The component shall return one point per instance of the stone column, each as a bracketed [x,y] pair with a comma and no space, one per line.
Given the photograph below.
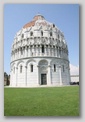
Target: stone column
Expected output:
[22,51]
[36,50]
[28,51]
[38,75]
[40,50]
[45,49]
[19,53]
[16,74]
[52,50]
[55,51]
[26,75]
[60,75]
[49,75]
[65,53]
[16,53]
[25,51]
[58,52]
[49,50]
[33,50]
[61,52]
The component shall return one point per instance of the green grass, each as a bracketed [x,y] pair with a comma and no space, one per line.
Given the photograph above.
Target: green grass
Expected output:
[51,101]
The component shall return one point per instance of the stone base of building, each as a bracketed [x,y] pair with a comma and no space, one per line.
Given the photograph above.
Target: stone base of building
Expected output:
[36,86]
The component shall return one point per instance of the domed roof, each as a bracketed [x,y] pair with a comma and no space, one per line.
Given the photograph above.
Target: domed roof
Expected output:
[32,23]
[40,31]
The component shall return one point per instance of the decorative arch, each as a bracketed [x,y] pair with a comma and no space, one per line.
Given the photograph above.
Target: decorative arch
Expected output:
[43,62]
[31,60]
[13,65]
[19,62]
[54,61]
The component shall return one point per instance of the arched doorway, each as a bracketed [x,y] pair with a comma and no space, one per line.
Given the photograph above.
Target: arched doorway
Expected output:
[43,70]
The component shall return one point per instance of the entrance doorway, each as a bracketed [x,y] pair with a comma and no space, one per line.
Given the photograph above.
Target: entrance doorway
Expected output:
[43,79]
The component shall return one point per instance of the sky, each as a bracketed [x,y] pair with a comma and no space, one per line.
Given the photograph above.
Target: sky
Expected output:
[64,16]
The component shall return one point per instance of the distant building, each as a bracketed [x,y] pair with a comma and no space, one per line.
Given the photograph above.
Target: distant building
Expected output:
[6,79]
[39,55]
[74,78]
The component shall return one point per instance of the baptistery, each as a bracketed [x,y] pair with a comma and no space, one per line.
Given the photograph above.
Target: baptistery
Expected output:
[39,55]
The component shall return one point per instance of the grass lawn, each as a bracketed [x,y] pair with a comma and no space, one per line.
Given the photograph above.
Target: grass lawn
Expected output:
[48,101]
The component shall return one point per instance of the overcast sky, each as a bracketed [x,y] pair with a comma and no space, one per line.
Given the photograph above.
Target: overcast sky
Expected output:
[64,16]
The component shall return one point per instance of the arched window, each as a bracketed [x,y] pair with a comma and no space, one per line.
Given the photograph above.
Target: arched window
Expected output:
[41,33]
[50,33]
[54,68]
[22,35]
[31,67]
[21,69]
[58,36]
[31,33]
[43,50]
[53,25]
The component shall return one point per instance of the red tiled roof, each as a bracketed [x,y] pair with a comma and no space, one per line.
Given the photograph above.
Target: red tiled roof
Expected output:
[32,23]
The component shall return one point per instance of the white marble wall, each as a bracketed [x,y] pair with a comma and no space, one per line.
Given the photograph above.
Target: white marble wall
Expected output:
[27,50]
[28,78]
